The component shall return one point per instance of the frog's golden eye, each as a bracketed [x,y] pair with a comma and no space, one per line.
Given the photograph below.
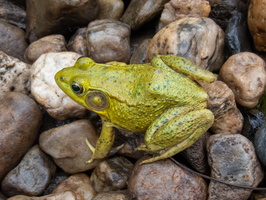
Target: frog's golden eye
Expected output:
[76,87]
[97,100]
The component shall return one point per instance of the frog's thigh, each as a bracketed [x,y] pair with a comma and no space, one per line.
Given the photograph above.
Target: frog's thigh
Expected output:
[178,132]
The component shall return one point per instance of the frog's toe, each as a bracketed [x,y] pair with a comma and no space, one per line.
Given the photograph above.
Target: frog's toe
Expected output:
[89,145]
[142,147]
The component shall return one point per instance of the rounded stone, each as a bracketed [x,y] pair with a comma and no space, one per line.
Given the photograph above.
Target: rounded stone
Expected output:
[110,9]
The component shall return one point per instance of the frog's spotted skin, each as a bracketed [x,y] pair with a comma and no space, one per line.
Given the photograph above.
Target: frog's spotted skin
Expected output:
[160,98]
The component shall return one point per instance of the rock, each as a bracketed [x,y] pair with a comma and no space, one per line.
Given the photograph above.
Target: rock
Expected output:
[256,25]
[31,176]
[78,42]
[51,43]
[12,14]
[139,13]
[20,119]
[232,159]
[237,37]
[56,179]
[259,143]
[177,9]
[139,55]
[15,75]
[245,74]
[189,37]
[62,196]
[45,90]
[57,16]
[111,174]
[165,180]
[66,145]
[112,195]
[12,40]
[79,184]
[110,9]
[114,46]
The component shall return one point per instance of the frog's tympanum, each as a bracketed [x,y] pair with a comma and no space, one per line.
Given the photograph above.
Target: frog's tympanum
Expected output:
[160,98]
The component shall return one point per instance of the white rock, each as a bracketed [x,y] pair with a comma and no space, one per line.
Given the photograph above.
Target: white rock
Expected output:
[45,89]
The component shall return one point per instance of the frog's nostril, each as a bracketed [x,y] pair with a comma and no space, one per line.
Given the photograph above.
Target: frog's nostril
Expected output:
[62,78]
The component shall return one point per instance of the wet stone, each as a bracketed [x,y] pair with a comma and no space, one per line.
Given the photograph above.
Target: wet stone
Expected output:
[31,176]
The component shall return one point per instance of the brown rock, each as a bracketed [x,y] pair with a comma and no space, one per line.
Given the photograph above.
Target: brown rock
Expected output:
[51,43]
[12,40]
[177,9]
[165,180]
[78,42]
[112,195]
[256,23]
[57,16]
[189,37]
[79,184]
[66,144]
[245,74]
[62,196]
[114,46]
[110,9]
[19,121]
[15,75]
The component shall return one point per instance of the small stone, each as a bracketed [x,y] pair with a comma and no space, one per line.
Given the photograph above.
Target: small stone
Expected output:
[111,174]
[56,179]
[165,180]
[260,143]
[51,43]
[12,40]
[14,76]
[139,13]
[112,195]
[189,37]
[31,176]
[78,42]
[66,145]
[20,119]
[245,74]
[114,46]
[110,9]
[62,196]
[232,159]
[46,91]
[79,184]
[139,55]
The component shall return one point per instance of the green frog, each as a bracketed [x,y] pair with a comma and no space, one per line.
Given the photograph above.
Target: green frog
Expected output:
[162,98]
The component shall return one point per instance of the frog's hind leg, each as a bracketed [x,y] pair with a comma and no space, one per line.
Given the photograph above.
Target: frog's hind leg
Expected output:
[176,130]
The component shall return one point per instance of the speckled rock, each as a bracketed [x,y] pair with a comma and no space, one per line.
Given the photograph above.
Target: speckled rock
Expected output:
[12,40]
[114,46]
[78,42]
[79,184]
[12,14]
[51,43]
[45,89]
[177,9]
[256,23]
[111,174]
[31,176]
[245,74]
[112,195]
[20,119]
[57,16]
[15,75]
[140,12]
[66,145]
[62,196]
[232,159]
[189,37]
[165,180]
[260,143]
[110,9]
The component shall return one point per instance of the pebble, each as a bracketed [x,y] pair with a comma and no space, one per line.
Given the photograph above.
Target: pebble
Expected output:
[260,143]
[112,195]
[66,145]
[232,159]
[111,174]
[110,9]
[31,176]
[188,37]
[113,46]
[20,119]
[78,42]
[62,196]
[139,54]
[245,74]
[165,180]
[45,90]
[14,76]
[50,43]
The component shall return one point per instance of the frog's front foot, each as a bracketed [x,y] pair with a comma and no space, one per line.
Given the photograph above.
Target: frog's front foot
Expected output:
[92,150]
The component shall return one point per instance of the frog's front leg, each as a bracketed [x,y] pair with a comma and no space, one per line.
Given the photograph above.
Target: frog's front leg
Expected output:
[104,143]
[175,130]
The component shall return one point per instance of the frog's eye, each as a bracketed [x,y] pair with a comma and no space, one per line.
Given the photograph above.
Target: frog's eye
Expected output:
[97,100]
[76,87]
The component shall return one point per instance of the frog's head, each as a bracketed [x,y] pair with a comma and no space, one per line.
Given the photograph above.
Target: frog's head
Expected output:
[76,84]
